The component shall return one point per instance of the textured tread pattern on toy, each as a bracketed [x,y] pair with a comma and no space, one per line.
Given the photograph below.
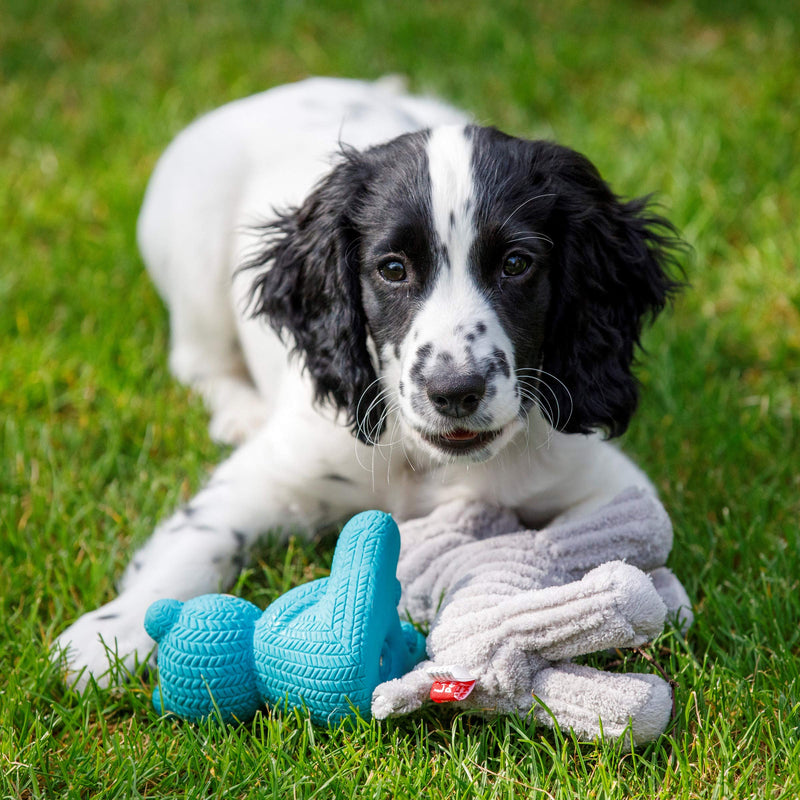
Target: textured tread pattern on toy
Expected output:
[323,645]
[208,668]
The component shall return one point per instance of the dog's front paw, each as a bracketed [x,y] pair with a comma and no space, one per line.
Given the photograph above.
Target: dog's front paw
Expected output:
[105,645]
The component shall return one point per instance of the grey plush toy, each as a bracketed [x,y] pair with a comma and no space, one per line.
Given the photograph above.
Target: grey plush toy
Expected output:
[509,609]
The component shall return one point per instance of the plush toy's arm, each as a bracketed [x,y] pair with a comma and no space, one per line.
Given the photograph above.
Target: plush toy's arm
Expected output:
[403,695]
[633,527]
[615,605]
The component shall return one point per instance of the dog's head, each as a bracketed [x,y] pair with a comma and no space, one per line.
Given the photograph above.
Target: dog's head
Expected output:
[461,277]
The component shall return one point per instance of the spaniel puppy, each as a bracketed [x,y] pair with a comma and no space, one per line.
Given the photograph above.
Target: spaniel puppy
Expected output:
[383,306]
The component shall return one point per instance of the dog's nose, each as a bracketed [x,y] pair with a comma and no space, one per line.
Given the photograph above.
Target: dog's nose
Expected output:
[456,394]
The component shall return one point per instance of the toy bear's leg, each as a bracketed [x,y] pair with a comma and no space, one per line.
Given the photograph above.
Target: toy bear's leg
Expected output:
[594,703]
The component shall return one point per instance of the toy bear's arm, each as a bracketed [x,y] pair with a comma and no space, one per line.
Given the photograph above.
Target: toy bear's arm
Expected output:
[615,605]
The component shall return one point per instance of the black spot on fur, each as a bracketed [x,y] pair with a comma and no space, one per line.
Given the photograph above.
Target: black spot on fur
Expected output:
[416,373]
[499,363]
[336,478]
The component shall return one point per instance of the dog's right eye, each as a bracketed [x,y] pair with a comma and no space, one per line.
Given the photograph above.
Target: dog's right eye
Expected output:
[393,271]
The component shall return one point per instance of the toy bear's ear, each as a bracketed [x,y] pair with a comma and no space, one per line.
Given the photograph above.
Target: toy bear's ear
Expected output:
[160,617]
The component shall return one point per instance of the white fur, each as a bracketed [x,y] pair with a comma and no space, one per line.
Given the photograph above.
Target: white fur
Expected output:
[226,171]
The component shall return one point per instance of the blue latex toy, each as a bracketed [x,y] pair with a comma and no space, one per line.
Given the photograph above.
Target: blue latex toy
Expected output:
[323,646]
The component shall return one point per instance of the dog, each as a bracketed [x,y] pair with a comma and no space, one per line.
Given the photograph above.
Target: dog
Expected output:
[386,306]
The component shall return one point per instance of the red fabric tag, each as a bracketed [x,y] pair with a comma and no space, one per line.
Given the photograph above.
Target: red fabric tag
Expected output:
[448,691]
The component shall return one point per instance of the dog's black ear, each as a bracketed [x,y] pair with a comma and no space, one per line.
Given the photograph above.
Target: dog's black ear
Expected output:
[308,287]
[613,270]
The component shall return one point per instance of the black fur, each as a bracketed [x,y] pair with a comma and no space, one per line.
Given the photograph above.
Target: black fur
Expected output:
[613,268]
[312,292]
[314,289]
[609,266]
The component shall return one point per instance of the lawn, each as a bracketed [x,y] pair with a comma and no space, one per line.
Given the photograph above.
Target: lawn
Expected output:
[697,102]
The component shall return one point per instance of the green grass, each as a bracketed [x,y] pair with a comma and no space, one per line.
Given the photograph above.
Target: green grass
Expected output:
[698,102]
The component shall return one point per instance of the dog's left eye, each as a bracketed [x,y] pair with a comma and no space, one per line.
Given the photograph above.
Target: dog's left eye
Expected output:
[516,264]
[393,271]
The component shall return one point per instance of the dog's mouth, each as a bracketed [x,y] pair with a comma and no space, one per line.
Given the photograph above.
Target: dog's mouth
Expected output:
[460,440]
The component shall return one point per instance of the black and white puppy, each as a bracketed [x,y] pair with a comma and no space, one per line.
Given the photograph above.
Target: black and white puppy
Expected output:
[445,312]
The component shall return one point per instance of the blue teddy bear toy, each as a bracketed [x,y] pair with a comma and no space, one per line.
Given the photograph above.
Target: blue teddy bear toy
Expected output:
[323,646]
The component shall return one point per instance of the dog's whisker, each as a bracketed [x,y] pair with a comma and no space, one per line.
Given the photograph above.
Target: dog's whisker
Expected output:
[387,456]
[542,403]
[544,408]
[363,418]
[537,237]
[523,204]
[370,435]
[389,441]
[534,373]
[534,393]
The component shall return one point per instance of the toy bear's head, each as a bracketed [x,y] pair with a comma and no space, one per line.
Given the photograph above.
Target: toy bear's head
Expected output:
[205,657]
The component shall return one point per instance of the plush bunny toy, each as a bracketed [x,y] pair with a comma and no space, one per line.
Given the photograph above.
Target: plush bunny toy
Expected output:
[508,609]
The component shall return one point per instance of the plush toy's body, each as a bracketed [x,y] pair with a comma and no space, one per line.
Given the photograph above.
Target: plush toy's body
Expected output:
[507,609]
[323,646]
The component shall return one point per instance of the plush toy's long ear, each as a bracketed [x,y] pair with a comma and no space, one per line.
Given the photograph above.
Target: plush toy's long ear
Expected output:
[308,287]
[612,271]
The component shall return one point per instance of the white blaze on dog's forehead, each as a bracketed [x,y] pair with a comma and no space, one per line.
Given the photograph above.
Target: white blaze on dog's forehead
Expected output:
[455,301]
[450,169]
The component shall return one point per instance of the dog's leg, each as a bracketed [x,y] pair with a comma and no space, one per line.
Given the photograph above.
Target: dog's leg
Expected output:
[184,244]
[205,355]
[274,482]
